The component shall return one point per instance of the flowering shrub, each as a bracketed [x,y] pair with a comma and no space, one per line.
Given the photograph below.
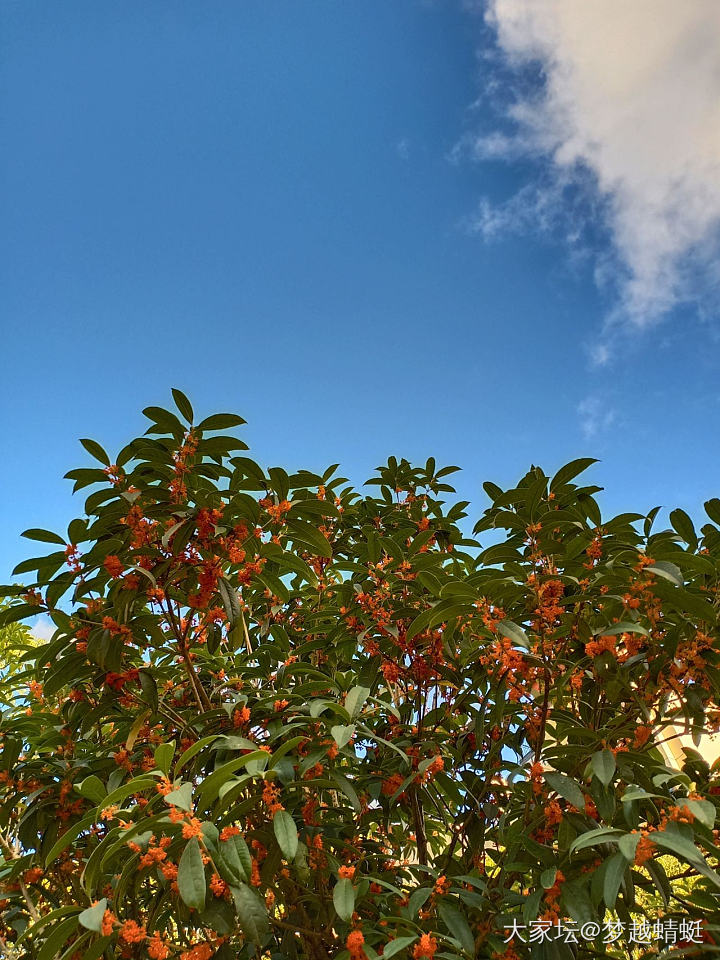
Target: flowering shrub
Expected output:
[282,718]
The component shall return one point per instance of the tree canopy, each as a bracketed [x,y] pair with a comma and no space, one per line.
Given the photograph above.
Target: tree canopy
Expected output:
[283,718]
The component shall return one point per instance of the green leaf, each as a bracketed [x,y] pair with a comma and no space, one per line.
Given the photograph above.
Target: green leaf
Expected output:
[183,404]
[355,699]
[234,860]
[193,751]
[149,689]
[703,810]
[163,758]
[230,600]
[593,837]
[251,913]
[92,918]
[306,533]
[532,905]
[95,450]
[45,536]
[514,632]
[678,844]
[67,838]
[577,902]
[221,421]
[285,833]
[668,571]
[93,788]
[191,875]
[210,787]
[684,526]
[570,470]
[712,509]
[547,877]
[286,747]
[43,921]
[182,797]
[344,898]
[458,927]
[417,900]
[603,766]
[57,939]
[627,846]
[626,627]
[348,789]
[396,945]
[567,788]
[135,729]
[342,734]
[660,879]
[20,611]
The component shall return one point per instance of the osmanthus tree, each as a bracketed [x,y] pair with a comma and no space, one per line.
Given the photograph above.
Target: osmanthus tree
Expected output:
[281,718]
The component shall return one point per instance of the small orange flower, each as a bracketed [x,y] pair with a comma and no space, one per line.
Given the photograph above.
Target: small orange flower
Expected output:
[114,566]
[426,947]
[442,886]
[228,832]
[132,932]
[354,944]
[193,828]
[157,950]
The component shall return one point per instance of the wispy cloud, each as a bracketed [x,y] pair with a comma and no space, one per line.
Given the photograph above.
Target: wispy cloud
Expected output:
[402,148]
[624,115]
[596,416]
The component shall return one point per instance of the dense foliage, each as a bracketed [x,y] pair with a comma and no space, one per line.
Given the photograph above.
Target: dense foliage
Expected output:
[283,718]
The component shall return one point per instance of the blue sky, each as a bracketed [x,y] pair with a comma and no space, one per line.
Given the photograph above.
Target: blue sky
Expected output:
[335,219]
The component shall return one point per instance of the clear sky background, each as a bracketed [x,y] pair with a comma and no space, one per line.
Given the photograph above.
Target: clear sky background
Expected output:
[484,232]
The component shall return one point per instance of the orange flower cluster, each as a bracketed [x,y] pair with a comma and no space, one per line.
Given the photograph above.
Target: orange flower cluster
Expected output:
[425,947]
[178,488]
[114,566]
[155,854]
[201,951]
[157,949]
[116,681]
[355,945]
[144,531]
[602,645]
[270,797]
[132,932]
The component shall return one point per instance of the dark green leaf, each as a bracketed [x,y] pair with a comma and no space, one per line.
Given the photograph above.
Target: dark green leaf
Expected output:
[567,788]
[285,833]
[603,766]
[458,927]
[684,526]
[614,873]
[191,875]
[183,404]
[221,421]
[570,470]
[95,450]
[45,536]
[251,913]
[344,898]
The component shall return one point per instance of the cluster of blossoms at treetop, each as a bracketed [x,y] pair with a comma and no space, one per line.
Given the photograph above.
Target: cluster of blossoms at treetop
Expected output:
[284,719]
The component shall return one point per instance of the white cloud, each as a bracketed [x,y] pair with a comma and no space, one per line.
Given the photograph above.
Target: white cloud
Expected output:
[43,628]
[630,110]
[595,416]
